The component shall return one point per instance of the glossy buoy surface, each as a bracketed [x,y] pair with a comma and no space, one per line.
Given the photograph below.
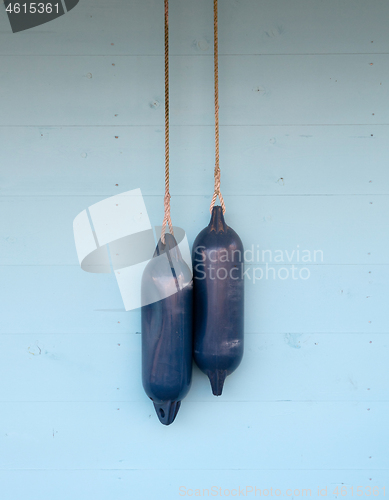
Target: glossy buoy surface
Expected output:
[167,329]
[218,300]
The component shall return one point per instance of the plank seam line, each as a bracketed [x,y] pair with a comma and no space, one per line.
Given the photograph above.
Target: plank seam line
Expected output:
[299,54]
[189,470]
[138,333]
[231,401]
[248,264]
[156,125]
[176,195]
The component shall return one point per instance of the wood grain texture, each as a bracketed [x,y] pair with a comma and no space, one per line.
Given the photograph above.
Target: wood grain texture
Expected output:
[38,230]
[64,299]
[246,27]
[299,90]
[116,484]
[285,367]
[110,435]
[268,160]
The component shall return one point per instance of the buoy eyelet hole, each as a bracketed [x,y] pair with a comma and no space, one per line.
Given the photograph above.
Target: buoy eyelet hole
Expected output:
[162,413]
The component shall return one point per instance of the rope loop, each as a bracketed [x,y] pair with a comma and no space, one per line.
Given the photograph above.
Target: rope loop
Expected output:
[166,202]
[217,192]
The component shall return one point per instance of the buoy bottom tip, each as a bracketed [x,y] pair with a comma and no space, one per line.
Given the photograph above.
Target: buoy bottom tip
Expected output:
[217,379]
[167,411]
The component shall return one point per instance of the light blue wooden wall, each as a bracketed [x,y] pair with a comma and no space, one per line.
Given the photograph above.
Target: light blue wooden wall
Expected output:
[304,155]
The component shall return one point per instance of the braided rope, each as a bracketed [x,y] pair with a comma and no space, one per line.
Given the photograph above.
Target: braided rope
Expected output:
[217,191]
[166,219]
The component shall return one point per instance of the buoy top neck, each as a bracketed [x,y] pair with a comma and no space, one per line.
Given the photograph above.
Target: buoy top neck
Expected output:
[217,222]
[169,247]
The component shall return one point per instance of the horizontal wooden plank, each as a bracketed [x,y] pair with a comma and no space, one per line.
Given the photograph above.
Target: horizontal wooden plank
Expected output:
[65,299]
[38,248]
[254,160]
[165,484]
[129,436]
[136,27]
[38,230]
[254,90]
[97,367]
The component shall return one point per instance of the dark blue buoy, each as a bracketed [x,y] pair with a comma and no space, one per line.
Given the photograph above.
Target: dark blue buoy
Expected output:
[167,292]
[218,300]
